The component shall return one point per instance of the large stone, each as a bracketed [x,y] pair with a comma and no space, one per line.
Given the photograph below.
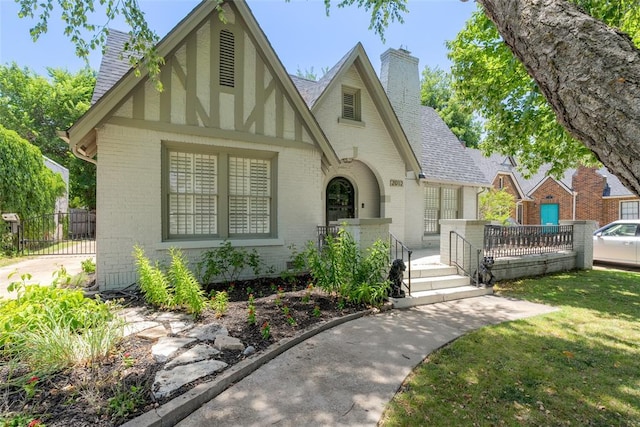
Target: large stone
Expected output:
[136,327]
[195,354]
[166,347]
[224,342]
[168,381]
[208,332]
[153,334]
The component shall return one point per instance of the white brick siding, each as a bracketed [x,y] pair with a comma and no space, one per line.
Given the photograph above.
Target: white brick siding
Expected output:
[129,201]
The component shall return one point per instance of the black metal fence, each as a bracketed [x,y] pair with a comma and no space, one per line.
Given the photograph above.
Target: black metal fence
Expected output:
[324,231]
[71,233]
[509,241]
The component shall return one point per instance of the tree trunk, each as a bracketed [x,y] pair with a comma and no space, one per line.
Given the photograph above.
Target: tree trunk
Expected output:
[589,72]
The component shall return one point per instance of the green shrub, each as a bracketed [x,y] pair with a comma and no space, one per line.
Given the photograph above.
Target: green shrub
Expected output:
[340,268]
[152,281]
[88,266]
[188,292]
[220,303]
[226,263]
[49,328]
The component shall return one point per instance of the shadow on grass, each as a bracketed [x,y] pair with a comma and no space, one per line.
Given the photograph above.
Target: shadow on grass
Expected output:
[539,371]
[610,292]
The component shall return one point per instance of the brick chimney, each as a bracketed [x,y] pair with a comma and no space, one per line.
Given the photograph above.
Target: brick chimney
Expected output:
[401,80]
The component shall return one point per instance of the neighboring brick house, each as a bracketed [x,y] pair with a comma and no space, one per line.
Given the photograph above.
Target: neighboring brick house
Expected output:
[582,194]
[236,149]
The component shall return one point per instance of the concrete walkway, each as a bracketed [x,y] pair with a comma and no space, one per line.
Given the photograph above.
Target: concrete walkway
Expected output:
[346,375]
[41,269]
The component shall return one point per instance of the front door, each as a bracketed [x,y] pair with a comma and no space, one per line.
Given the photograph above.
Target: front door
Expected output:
[340,199]
[549,214]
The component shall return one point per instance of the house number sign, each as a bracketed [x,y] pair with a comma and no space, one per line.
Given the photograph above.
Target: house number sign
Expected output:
[396,183]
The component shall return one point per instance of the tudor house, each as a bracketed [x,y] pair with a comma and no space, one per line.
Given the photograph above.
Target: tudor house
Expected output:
[235,149]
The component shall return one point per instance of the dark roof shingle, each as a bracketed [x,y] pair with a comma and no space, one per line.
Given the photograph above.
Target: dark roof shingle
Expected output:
[444,158]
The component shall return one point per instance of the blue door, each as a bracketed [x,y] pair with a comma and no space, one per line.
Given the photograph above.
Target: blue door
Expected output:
[549,214]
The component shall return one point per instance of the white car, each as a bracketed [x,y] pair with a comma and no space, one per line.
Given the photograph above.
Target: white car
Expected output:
[618,242]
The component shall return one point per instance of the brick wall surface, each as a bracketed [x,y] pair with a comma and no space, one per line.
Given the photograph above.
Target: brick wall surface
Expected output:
[589,185]
[550,192]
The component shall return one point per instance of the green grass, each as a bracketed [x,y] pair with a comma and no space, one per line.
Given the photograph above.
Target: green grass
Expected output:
[579,366]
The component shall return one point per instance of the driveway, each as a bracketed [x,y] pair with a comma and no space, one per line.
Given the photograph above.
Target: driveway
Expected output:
[41,269]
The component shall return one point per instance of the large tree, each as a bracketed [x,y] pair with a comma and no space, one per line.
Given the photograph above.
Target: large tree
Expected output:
[437,92]
[36,107]
[27,187]
[518,118]
[589,72]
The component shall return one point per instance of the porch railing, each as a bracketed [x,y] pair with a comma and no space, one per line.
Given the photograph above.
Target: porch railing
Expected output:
[461,253]
[501,241]
[324,231]
[397,249]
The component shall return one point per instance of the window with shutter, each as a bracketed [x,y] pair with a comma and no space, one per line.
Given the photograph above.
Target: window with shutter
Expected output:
[350,104]
[227,58]
[249,196]
[217,195]
[440,203]
[192,194]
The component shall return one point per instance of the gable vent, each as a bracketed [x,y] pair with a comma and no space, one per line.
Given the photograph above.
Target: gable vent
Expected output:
[227,58]
[349,106]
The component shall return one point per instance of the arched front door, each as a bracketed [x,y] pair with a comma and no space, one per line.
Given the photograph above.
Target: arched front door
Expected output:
[340,199]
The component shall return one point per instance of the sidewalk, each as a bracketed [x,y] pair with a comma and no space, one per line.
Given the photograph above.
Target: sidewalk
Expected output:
[346,375]
[41,269]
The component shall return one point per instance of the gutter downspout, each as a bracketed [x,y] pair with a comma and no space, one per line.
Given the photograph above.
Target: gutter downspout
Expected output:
[64,135]
[575,195]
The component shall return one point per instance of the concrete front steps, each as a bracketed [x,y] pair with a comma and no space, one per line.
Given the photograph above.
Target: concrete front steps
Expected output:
[433,283]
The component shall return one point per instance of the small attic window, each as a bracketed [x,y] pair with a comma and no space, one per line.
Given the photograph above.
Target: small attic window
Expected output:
[227,58]
[351,104]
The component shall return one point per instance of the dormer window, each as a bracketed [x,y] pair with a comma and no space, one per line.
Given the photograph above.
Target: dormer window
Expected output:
[351,104]
[227,58]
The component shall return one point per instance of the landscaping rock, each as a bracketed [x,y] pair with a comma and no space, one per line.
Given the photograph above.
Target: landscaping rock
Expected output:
[207,332]
[167,381]
[166,347]
[195,354]
[153,334]
[249,351]
[224,342]
[136,327]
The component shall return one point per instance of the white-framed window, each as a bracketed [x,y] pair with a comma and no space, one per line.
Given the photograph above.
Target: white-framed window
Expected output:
[192,194]
[630,209]
[351,104]
[440,203]
[249,196]
[210,193]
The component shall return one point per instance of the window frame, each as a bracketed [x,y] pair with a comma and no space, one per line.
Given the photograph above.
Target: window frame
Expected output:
[439,210]
[357,104]
[637,209]
[223,190]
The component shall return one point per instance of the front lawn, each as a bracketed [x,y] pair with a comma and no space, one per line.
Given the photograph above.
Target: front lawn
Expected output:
[579,366]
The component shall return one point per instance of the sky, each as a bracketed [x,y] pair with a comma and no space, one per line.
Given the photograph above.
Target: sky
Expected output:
[301,34]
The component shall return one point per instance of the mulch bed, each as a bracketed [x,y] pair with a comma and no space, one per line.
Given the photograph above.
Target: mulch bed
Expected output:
[119,389]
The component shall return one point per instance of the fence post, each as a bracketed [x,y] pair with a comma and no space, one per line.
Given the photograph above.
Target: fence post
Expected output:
[582,242]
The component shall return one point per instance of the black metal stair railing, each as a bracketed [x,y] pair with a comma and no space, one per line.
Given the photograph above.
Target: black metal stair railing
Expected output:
[397,250]
[461,252]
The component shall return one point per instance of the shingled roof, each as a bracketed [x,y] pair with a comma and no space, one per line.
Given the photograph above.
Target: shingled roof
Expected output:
[496,163]
[114,64]
[311,90]
[444,159]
